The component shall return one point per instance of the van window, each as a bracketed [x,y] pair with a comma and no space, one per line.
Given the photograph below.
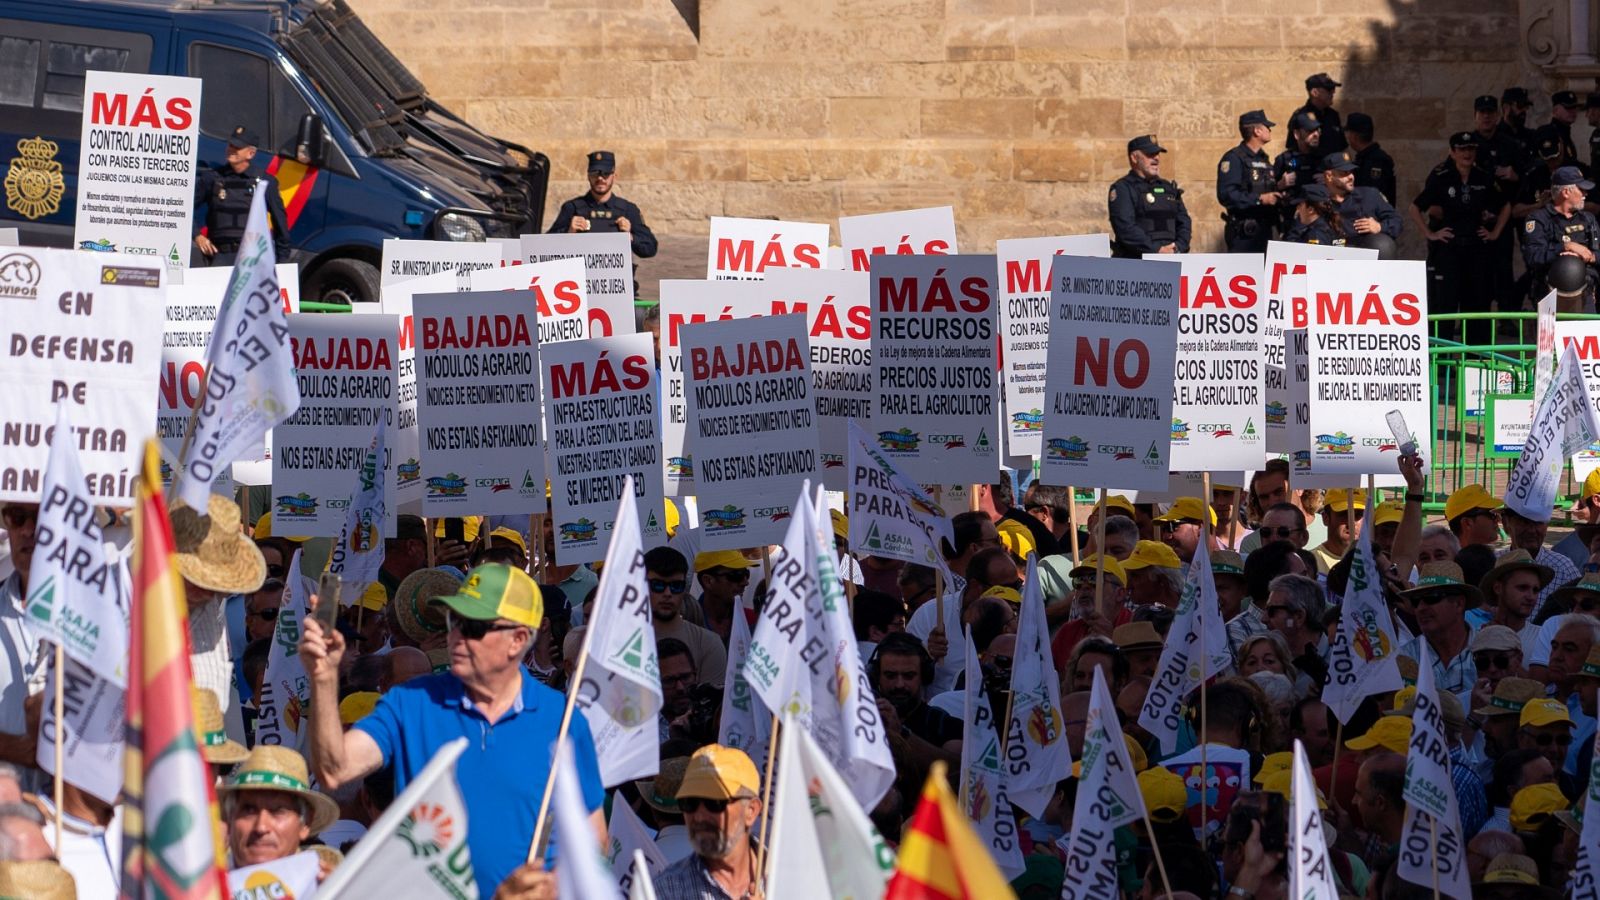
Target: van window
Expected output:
[65,65]
[241,88]
[42,67]
[19,70]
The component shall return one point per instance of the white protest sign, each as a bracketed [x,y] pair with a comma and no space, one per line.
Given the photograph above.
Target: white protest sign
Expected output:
[346,369]
[1108,797]
[555,289]
[607,270]
[625,836]
[839,318]
[1108,409]
[1432,849]
[1586,871]
[1544,360]
[216,278]
[1367,324]
[1217,405]
[929,232]
[743,249]
[1310,868]
[85,328]
[1585,337]
[891,515]
[292,877]
[1564,422]
[934,366]
[478,403]
[752,426]
[603,427]
[404,260]
[510,249]
[682,303]
[1025,327]
[1362,659]
[1195,652]
[285,689]
[1036,751]
[357,556]
[96,717]
[136,165]
[398,300]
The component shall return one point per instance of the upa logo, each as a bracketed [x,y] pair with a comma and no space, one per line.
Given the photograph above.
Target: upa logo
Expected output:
[408,472]
[448,485]
[680,467]
[727,518]
[298,506]
[1338,442]
[950,441]
[1074,449]
[903,441]
[1277,413]
[773,513]
[1180,429]
[582,531]
[1032,420]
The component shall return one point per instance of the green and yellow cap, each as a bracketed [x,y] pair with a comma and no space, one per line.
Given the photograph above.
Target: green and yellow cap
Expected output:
[497,591]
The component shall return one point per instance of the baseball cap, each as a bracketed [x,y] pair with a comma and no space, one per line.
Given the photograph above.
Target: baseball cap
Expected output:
[1151,553]
[1405,705]
[511,535]
[1495,637]
[1360,123]
[1002,592]
[1462,139]
[1532,804]
[356,706]
[716,772]
[1389,512]
[1515,95]
[263,529]
[497,591]
[1189,508]
[242,137]
[1146,144]
[1485,103]
[1591,485]
[841,524]
[1510,695]
[1281,783]
[602,161]
[1124,506]
[1165,796]
[1305,121]
[470,526]
[1564,98]
[1511,868]
[1567,176]
[1543,711]
[1016,538]
[1466,499]
[1339,499]
[1321,80]
[726,559]
[1389,732]
[374,598]
[1256,117]
[1136,636]
[1342,161]
[1281,761]
[1094,562]
[1313,193]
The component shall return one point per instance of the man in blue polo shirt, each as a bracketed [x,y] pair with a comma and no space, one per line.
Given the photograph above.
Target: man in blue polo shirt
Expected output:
[509,719]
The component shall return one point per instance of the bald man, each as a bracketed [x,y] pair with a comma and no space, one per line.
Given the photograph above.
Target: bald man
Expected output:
[1378,797]
[405,663]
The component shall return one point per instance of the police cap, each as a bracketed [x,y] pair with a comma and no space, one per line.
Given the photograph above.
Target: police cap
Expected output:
[1339,162]
[242,137]
[1485,103]
[1564,98]
[1515,95]
[1305,121]
[603,161]
[1146,144]
[1360,123]
[1256,117]
[1462,139]
[1321,80]
[1313,193]
[1568,176]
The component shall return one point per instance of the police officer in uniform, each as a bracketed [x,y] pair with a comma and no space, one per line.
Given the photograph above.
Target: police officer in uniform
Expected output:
[1246,187]
[1559,229]
[226,193]
[1514,105]
[1147,212]
[1462,213]
[600,210]
[1591,112]
[1374,165]
[1563,112]
[1505,157]
[1316,218]
[1319,102]
[1299,167]
[1362,210]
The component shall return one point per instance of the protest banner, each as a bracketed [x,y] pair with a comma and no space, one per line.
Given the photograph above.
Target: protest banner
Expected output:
[601,404]
[744,249]
[983,772]
[95,712]
[607,274]
[891,515]
[478,403]
[217,278]
[1585,337]
[345,366]
[1196,650]
[1544,360]
[510,249]
[405,440]
[1310,867]
[1217,405]
[404,260]
[282,708]
[1025,328]
[752,426]
[1108,798]
[581,873]
[1564,423]
[934,366]
[136,166]
[684,302]
[1367,324]
[929,232]
[554,288]
[1036,752]
[290,878]
[85,330]
[357,556]
[1108,391]
[839,319]
[1433,849]
[626,835]
[1363,657]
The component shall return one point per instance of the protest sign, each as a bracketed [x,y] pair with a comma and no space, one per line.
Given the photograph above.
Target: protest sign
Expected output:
[1585,337]
[554,288]
[1310,867]
[607,274]
[1196,651]
[345,366]
[625,836]
[1586,871]
[752,426]
[1363,658]
[891,515]
[1563,424]
[1544,360]
[217,277]
[930,232]
[85,330]
[1108,798]
[510,249]
[1433,850]
[684,302]
[839,320]
[934,366]
[1367,324]
[743,249]
[983,772]
[136,166]
[290,878]
[746,723]
[478,403]
[1108,393]
[601,403]
[404,260]
[95,732]
[1025,327]
[405,441]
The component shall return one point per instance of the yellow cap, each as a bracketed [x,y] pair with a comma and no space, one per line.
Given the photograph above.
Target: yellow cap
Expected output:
[1001,592]
[263,529]
[1404,696]
[1533,803]
[726,559]
[1094,562]
[357,706]
[1122,506]
[1339,499]
[1591,485]
[841,524]
[671,512]
[1136,754]
[1274,762]
[1191,508]
[716,772]
[1016,537]
[1152,553]
[374,598]
[1165,796]
[1389,512]
[1469,498]
[1281,783]
[1543,711]
[510,534]
[1389,732]
[469,528]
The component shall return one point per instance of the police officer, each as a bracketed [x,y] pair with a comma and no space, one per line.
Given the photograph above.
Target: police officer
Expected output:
[1562,228]
[1374,165]
[1563,112]
[1147,212]
[1316,218]
[1362,210]
[1462,212]
[601,210]
[1591,113]
[1514,104]
[1246,187]
[1319,102]
[226,192]
[1298,167]
[1549,156]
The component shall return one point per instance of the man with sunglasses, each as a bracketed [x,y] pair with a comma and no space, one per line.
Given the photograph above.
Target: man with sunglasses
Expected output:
[720,801]
[1474,515]
[261,611]
[723,576]
[1546,728]
[667,575]
[1181,527]
[1441,600]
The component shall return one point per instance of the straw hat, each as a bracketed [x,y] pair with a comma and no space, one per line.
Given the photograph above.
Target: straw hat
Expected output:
[40,879]
[273,768]
[413,602]
[216,746]
[1514,561]
[661,792]
[329,855]
[1443,578]
[213,551]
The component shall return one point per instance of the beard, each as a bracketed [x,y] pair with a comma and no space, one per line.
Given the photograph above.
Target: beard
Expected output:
[902,701]
[712,842]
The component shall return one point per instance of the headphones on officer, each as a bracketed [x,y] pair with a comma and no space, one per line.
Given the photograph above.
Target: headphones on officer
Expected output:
[905,645]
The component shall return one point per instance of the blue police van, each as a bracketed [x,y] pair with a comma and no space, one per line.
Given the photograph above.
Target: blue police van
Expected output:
[361,152]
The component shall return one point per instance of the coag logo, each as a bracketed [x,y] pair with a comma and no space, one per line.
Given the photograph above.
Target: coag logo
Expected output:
[1180,429]
[1277,413]
[724,519]
[903,441]
[773,513]
[1044,725]
[19,276]
[339,503]
[1370,644]
[1032,420]
[833,460]
[299,506]
[1215,429]
[1115,451]
[950,441]
[495,485]
[1073,448]
[449,485]
[1383,444]
[582,531]
[1338,442]
[408,472]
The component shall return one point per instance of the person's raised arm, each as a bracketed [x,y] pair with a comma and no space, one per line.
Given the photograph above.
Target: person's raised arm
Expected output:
[337,756]
[1408,537]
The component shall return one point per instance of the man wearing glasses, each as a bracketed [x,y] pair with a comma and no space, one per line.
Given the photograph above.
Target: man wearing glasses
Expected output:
[667,574]
[1474,515]
[1545,727]
[723,575]
[1441,601]
[509,718]
[720,801]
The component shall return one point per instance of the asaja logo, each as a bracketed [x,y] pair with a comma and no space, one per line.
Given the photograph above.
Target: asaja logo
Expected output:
[634,656]
[408,472]
[680,467]
[1277,413]
[1072,448]
[1249,428]
[903,441]
[1338,442]
[529,486]
[723,519]
[448,485]
[983,440]
[579,532]
[950,441]
[1180,429]
[1032,420]
[100,246]
[299,506]
[874,540]
[428,830]
[33,182]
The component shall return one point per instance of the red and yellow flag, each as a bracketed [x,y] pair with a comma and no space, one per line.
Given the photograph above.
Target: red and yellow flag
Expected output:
[169,850]
[941,857]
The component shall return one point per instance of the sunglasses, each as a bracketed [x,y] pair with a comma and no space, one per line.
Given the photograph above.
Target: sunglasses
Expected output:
[1279,532]
[690,805]
[1431,599]
[267,615]
[475,629]
[18,516]
[1545,740]
[1493,514]
[1487,661]
[275,571]
[663,587]
[740,575]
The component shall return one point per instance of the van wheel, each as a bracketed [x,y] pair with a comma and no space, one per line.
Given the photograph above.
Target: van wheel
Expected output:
[345,280]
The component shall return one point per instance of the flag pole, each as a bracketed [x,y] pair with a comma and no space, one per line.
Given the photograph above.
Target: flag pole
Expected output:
[1205,542]
[1072,524]
[1433,828]
[1333,774]
[60,709]
[766,800]
[1099,549]
[1155,845]
[534,846]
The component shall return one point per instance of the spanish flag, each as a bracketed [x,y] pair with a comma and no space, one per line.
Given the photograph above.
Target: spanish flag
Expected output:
[941,857]
[169,845]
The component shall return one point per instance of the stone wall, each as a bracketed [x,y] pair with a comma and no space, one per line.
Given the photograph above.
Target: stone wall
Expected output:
[1015,111]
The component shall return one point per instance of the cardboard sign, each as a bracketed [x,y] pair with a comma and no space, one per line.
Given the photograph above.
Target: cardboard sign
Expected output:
[136,166]
[347,368]
[683,303]
[291,878]
[1113,334]
[478,403]
[934,366]
[1367,324]
[752,426]
[404,260]
[1025,327]
[602,407]
[744,249]
[839,319]
[556,289]
[929,232]
[85,328]
[608,274]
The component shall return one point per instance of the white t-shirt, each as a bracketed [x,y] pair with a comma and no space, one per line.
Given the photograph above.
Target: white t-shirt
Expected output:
[921,624]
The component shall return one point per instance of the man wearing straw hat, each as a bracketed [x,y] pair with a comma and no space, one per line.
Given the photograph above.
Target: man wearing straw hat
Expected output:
[269,808]
[216,561]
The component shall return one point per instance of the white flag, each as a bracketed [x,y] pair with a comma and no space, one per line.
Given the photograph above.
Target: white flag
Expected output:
[641,888]
[803,657]
[746,722]
[581,870]
[250,379]
[627,838]
[1196,650]
[983,789]
[621,690]
[1544,356]
[1108,797]
[1361,659]
[1586,872]
[1310,869]
[418,847]
[823,844]
[1037,755]
[891,515]
[285,691]
[94,735]
[358,554]
[1564,422]
[1431,843]
[75,587]
[292,876]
